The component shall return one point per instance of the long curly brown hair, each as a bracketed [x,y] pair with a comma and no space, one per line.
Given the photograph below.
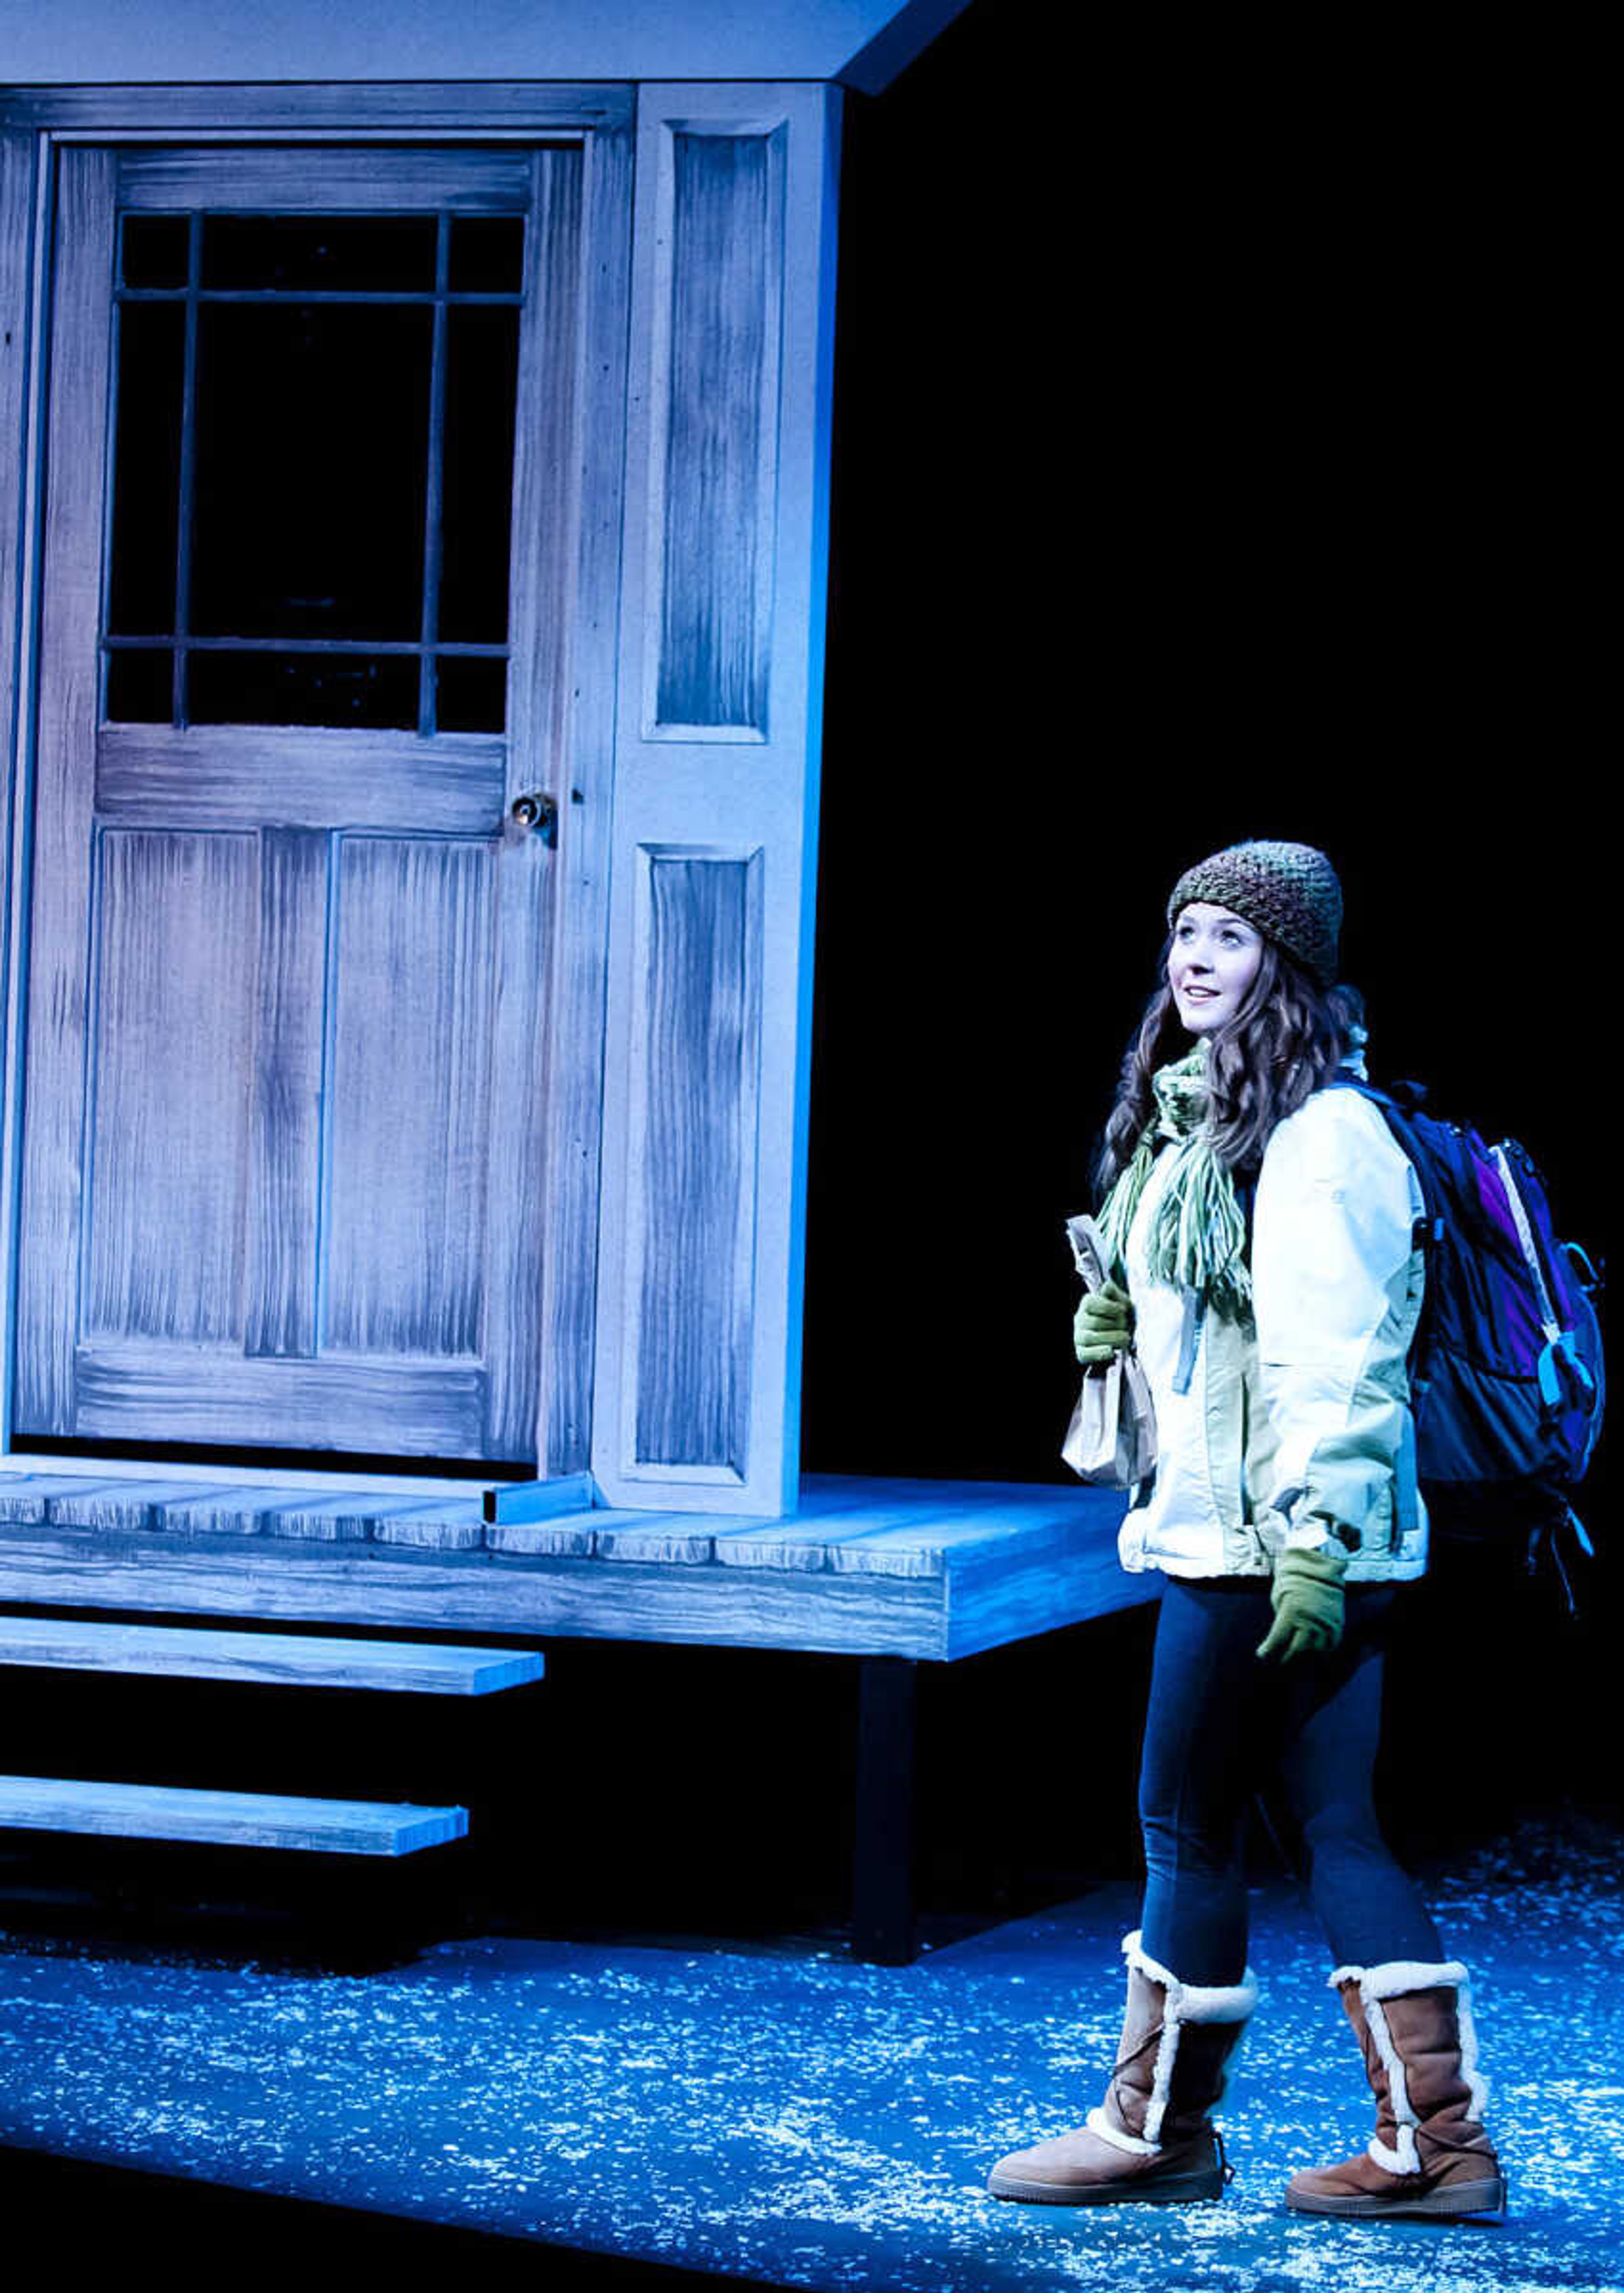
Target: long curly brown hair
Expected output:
[1287,1036]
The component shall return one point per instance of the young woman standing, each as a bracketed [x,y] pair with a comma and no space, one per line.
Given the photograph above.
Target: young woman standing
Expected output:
[1264,1226]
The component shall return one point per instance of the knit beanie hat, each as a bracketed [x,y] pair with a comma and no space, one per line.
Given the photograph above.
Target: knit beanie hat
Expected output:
[1289,891]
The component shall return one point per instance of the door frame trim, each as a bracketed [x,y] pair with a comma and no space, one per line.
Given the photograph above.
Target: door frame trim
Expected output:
[33,124]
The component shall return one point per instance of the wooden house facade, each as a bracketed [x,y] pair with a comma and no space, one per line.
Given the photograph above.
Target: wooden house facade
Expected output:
[414,471]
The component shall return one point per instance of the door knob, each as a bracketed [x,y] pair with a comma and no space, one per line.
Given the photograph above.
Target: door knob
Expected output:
[536,810]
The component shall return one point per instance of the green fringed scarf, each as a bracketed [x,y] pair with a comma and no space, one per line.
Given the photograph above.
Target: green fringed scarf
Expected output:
[1199,1240]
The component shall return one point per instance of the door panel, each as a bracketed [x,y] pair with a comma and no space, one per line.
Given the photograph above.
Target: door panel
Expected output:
[289,960]
[404,1195]
[172,992]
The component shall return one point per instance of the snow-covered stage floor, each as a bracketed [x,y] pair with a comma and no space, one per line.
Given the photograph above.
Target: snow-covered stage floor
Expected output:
[790,2117]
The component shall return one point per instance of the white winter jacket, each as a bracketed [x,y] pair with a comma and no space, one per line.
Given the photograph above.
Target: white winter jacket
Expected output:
[1300,1434]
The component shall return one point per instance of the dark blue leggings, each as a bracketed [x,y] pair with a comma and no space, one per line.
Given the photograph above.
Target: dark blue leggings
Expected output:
[1220,1723]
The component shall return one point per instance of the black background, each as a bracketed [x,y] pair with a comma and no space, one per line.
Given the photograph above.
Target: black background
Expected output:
[1214,459]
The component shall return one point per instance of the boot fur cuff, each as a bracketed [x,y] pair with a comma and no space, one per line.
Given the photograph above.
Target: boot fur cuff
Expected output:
[1397,1976]
[1190,2002]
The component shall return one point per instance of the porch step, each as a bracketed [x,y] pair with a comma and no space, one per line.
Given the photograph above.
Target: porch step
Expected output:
[287,1660]
[332,1826]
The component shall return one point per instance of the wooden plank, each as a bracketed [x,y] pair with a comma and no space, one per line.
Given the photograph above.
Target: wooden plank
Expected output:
[285,1168]
[536,1598]
[53,1171]
[992,1601]
[313,776]
[239,1511]
[124,1505]
[21,1463]
[410,1092]
[333,1827]
[335,1403]
[669,1539]
[329,1520]
[301,109]
[573,1534]
[287,1660]
[17,203]
[435,1528]
[23,226]
[176,932]
[541,569]
[717,343]
[807,1537]
[696,1088]
[514,1501]
[27,1496]
[482,182]
[575,1113]
[930,1547]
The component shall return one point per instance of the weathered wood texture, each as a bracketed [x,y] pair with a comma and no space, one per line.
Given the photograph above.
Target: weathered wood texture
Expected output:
[410,1080]
[48,1222]
[716,402]
[533,1500]
[123,1393]
[285,1102]
[249,775]
[295,181]
[289,1659]
[526,988]
[334,1827]
[17,197]
[585,791]
[317,107]
[697,1061]
[172,988]
[19,366]
[923,1569]
[288,1130]
[714,799]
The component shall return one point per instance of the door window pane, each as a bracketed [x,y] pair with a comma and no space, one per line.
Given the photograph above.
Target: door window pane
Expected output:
[487,255]
[141,687]
[312,472]
[147,469]
[481,373]
[153,250]
[471,695]
[333,254]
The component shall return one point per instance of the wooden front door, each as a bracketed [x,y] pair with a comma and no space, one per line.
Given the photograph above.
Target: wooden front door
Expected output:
[302,654]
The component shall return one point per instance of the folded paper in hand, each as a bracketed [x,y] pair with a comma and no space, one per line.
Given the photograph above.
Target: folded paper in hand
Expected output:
[1112,1437]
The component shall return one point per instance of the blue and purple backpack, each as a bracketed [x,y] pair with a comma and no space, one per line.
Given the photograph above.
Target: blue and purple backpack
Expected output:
[1506,1377]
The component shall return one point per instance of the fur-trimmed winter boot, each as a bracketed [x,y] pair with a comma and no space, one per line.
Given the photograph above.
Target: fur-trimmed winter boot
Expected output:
[1429,2154]
[1151,2138]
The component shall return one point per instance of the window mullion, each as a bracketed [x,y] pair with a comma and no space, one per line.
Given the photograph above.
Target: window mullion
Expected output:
[188,463]
[426,714]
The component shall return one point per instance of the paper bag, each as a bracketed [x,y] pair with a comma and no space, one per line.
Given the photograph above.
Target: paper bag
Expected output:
[1112,1437]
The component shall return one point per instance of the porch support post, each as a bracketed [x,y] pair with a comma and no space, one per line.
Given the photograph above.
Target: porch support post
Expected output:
[882,1848]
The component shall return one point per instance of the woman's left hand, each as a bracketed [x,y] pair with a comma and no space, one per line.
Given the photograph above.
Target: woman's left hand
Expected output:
[1308,1603]
[1103,1327]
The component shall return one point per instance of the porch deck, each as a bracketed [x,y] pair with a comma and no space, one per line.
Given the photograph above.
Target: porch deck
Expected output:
[918,1569]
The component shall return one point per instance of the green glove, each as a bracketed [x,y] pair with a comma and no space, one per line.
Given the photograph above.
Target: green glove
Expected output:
[1104,1325]
[1307,1597]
